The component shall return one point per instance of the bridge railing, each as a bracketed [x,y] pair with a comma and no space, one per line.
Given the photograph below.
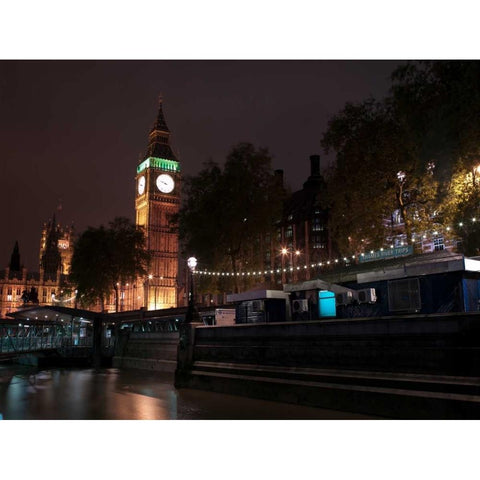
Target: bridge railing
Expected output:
[12,344]
[153,325]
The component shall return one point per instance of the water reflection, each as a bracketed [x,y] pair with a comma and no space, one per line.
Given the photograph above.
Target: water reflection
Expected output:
[71,394]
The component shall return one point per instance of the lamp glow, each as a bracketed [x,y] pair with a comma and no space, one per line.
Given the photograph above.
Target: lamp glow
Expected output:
[192,263]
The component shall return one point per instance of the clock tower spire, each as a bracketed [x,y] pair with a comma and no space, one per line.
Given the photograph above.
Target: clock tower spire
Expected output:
[159,137]
[157,202]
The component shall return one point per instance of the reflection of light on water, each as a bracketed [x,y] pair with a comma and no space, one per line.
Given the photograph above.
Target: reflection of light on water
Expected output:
[172,404]
[89,394]
[16,389]
[141,407]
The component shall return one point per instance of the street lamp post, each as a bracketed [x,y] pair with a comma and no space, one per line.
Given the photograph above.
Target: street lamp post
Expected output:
[187,334]
[291,252]
[192,314]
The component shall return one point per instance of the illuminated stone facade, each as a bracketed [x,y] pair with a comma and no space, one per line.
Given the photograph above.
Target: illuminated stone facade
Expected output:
[157,202]
[64,239]
[18,286]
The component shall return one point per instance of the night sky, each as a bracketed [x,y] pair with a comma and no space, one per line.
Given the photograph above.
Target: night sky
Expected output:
[72,131]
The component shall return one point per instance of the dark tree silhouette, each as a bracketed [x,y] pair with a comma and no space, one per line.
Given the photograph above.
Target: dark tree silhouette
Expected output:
[226,213]
[104,257]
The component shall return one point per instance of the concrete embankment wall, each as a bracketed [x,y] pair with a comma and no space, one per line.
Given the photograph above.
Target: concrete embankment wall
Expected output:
[446,344]
[402,367]
[147,351]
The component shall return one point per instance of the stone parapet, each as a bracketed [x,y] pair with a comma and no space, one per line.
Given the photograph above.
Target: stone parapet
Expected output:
[398,367]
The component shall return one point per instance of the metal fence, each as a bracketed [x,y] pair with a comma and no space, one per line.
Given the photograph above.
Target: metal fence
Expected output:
[12,344]
[153,325]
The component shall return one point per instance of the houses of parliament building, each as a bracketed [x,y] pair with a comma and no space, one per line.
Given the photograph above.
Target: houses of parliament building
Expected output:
[49,285]
[157,201]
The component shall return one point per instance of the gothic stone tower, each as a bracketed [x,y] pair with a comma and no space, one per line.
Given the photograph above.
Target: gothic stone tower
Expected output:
[51,260]
[64,237]
[157,201]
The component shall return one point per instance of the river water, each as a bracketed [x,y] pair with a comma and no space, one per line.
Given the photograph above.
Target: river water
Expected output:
[27,393]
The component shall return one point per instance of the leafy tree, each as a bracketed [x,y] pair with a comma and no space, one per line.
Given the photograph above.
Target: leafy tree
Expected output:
[440,103]
[377,172]
[411,147]
[90,265]
[461,206]
[227,212]
[105,257]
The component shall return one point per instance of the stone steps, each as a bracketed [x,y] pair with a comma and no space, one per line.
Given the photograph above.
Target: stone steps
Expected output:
[392,395]
[158,365]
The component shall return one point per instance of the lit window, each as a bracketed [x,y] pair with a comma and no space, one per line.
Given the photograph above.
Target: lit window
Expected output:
[397,217]
[438,243]
[317,242]
[317,225]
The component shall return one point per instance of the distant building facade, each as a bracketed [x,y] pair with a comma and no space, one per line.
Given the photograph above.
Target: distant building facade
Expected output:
[63,238]
[423,242]
[302,235]
[19,287]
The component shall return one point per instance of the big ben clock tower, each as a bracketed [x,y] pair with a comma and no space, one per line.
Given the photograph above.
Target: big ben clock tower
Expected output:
[157,201]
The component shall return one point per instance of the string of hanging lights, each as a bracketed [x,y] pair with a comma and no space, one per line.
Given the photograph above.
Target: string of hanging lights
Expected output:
[205,272]
[344,261]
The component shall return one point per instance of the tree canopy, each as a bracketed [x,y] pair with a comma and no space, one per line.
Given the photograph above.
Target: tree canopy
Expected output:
[228,212]
[105,257]
[440,101]
[377,172]
[402,154]
[460,208]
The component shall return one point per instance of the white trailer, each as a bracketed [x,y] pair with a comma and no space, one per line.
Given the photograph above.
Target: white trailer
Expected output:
[224,316]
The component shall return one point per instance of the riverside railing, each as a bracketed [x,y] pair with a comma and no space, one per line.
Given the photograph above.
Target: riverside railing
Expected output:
[13,344]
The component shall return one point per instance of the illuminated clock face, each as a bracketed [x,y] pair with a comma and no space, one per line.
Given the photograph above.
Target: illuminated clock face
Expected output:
[63,244]
[141,185]
[165,183]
